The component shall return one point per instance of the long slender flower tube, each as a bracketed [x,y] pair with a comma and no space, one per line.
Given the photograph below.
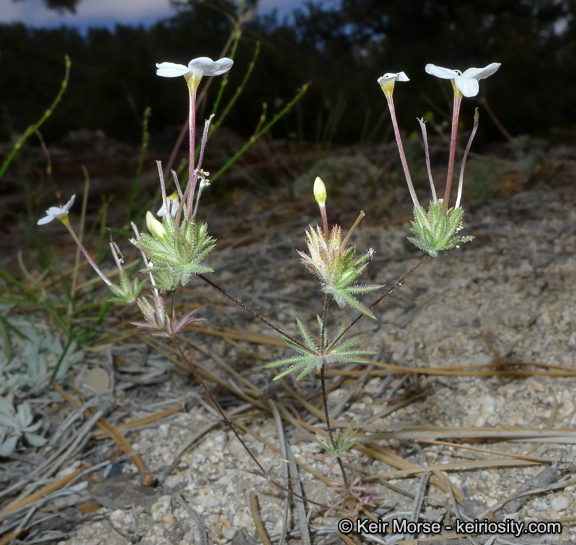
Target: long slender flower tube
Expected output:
[127,290]
[436,228]
[193,73]
[61,213]
[464,84]
[387,82]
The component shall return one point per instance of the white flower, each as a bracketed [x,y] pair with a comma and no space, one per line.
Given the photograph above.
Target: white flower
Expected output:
[173,201]
[196,69]
[399,76]
[56,212]
[388,80]
[203,176]
[467,81]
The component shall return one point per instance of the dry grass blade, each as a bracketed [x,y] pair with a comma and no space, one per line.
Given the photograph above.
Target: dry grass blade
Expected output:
[486,451]
[286,470]
[386,455]
[566,436]
[113,433]
[142,421]
[296,486]
[419,498]
[454,466]
[260,530]
[44,491]
[507,369]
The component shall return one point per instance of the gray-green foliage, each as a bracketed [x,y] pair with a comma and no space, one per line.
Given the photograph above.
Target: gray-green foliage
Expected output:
[179,251]
[29,357]
[16,423]
[311,358]
[36,354]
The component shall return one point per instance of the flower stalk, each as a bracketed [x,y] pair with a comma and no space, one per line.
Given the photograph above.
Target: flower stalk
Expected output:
[436,228]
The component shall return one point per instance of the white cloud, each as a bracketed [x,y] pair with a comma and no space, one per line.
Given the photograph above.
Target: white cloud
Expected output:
[109,12]
[88,13]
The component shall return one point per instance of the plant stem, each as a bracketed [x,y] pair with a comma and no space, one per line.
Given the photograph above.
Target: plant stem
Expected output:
[35,126]
[216,404]
[192,152]
[264,473]
[453,139]
[66,222]
[401,151]
[253,313]
[323,387]
[396,285]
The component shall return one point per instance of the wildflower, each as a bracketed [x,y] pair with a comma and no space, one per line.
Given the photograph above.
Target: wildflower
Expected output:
[388,80]
[195,71]
[61,213]
[320,196]
[311,358]
[334,264]
[158,322]
[127,291]
[175,249]
[172,201]
[343,442]
[466,82]
[57,212]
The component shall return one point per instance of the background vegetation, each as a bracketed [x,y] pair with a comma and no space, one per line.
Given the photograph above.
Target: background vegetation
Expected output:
[341,49]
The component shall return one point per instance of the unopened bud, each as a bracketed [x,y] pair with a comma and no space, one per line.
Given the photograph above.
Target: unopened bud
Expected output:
[154,226]
[319,191]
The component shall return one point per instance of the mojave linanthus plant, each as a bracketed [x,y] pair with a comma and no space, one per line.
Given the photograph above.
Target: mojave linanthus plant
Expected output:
[175,247]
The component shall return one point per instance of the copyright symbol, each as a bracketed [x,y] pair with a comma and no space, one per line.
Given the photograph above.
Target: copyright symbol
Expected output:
[345,526]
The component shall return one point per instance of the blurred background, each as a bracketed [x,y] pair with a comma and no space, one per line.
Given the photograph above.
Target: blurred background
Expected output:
[339,47]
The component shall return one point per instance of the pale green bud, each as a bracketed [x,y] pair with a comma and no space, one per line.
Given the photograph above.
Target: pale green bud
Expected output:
[154,226]
[319,191]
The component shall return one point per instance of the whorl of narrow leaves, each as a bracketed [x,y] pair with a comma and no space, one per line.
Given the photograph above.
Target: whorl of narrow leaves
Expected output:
[180,252]
[435,230]
[312,358]
[127,291]
[336,267]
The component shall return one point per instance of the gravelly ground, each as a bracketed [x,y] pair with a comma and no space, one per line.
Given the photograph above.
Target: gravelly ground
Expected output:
[512,289]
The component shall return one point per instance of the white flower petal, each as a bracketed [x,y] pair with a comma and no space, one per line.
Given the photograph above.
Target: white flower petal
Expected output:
[68,205]
[56,211]
[44,221]
[170,69]
[173,209]
[468,86]
[439,72]
[481,73]
[207,67]
[396,76]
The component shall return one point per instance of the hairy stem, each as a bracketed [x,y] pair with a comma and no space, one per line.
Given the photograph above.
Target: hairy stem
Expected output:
[323,388]
[216,404]
[396,285]
[253,313]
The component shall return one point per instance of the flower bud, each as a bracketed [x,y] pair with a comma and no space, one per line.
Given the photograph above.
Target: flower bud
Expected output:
[154,226]
[319,191]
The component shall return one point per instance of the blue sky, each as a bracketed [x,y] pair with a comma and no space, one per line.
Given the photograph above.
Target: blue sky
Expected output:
[108,12]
